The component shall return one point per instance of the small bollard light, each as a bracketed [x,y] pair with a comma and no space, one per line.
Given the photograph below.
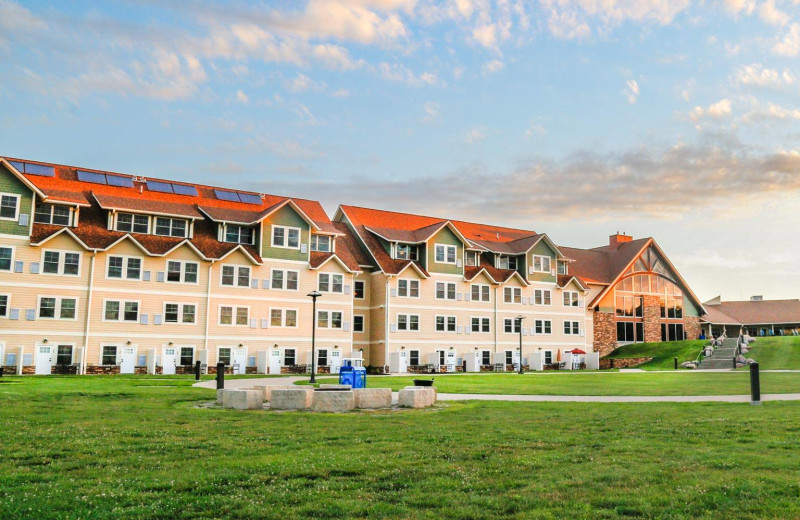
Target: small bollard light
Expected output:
[676,363]
[220,376]
[1,371]
[197,371]
[755,385]
[611,366]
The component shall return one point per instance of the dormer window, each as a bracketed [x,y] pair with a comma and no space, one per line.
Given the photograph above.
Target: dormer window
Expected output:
[53,214]
[406,252]
[541,264]
[507,262]
[237,234]
[445,254]
[472,258]
[170,227]
[562,268]
[286,237]
[321,243]
[129,223]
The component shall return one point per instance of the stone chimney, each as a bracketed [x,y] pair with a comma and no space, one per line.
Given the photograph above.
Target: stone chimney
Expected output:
[614,241]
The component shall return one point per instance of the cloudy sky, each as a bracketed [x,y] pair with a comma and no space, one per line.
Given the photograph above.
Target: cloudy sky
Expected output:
[578,118]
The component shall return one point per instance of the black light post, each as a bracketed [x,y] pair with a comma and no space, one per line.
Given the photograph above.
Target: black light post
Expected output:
[519,325]
[314,295]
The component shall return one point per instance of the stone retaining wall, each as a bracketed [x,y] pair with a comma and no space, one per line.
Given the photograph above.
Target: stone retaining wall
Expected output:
[605,363]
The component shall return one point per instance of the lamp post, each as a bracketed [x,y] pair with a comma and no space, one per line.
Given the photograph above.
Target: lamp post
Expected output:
[314,295]
[519,326]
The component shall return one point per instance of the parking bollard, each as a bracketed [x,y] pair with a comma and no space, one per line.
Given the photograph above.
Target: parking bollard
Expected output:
[755,385]
[220,376]
[197,371]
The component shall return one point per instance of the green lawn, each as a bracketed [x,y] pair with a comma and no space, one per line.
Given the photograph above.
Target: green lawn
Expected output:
[110,447]
[663,354]
[776,353]
[592,383]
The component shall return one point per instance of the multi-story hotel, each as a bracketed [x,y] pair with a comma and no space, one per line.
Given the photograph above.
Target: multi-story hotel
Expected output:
[103,272]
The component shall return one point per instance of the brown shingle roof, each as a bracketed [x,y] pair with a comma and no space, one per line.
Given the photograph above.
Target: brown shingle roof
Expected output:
[754,312]
[603,264]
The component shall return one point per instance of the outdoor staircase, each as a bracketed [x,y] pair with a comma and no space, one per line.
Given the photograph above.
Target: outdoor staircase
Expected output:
[722,357]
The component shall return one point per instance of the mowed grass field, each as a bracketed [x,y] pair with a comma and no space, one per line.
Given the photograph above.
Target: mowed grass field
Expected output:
[663,354]
[776,353]
[116,447]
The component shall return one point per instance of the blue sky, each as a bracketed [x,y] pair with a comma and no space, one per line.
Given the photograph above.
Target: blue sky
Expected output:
[577,118]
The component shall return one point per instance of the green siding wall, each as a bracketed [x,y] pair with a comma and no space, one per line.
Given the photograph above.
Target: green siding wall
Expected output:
[542,249]
[286,216]
[447,237]
[10,184]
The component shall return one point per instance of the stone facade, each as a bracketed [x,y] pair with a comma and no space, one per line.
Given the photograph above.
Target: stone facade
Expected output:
[605,332]
[691,326]
[652,319]
[623,362]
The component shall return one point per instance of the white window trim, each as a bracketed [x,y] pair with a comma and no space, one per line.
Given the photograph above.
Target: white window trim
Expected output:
[18,197]
[513,291]
[363,323]
[317,236]
[62,257]
[542,270]
[330,320]
[236,268]
[571,323]
[152,226]
[124,276]
[57,310]
[183,271]
[233,315]
[8,309]
[577,298]
[480,324]
[552,356]
[180,314]
[480,292]
[514,321]
[408,288]
[446,285]
[116,356]
[283,317]
[225,234]
[13,257]
[122,303]
[230,347]
[133,216]
[285,280]
[330,282]
[408,322]
[543,299]
[543,333]
[286,237]
[446,247]
[445,331]
[52,210]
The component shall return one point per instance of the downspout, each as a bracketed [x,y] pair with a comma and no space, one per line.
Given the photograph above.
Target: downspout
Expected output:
[495,325]
[352,315]
[386,325]
[208,309]
[88,313]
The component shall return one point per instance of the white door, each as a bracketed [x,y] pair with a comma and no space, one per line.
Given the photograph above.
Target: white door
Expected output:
[127,360]
[403,362]
[450,360]
[44,359]
[275,362]
[168,361]
[239,360]
[335,361]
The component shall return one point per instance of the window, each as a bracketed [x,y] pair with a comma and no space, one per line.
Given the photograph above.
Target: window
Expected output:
[472,258]
[187,356]
[64,355]
[408,288]
[224,355]
[321,243]
[238,276]
[128,223]
[445,291]
[413,358]
[480,293]
[61,262]
[358,323]
[507,262]
[286,237]
[53,214]
[481,325]
[118,310]
[572,327]
[284,279]
[170,227]
[541,296]
[408,322]
[283,317]
[562,268]
[179,271]
[543,327]
[51,307]
[131,311]
[127,267]
[511,325]
[509,357]
[548,357]
[512,295]
[3,307]
[289,357]
[9,206]
[322,357]
[329,319]
[358,290]
[238,234]
[330,282]
[626,331]
[229,315]
[445,323]
[570,298]
[6,254]
[541,264]
[109,355]
[445,254]
[406,252]
[179,313]
[486,357]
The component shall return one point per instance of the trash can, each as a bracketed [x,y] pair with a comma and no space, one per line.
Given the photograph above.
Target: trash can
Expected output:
[347,376]
[359,377]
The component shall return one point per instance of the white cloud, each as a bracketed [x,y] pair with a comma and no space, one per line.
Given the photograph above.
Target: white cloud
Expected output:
[790,44]
[740,6]
[475,135]
[757,75]
[402,74]
[300,83]
[241,97]
[773,111]
[567,25]
[572,18]
[433,113]
[534,129]
[485,35]
[492,66]
[718,110]
[336,57]
[631,91]
[771,14]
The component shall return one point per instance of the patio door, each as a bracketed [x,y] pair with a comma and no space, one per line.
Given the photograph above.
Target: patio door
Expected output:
[44,359]
[127,360]
[168,361]
[239,360]
[275,361]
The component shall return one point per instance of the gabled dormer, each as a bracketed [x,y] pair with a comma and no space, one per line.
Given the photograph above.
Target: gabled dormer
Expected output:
[445,251]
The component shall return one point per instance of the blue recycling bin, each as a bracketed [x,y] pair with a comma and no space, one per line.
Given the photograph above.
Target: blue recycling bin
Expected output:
[356,377]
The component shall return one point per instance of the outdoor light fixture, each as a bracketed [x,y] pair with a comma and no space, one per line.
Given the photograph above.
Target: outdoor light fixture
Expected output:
[313,295]
[519,324]
[241,345]
[403,347]
[128,343]
[170,343]
[44,340]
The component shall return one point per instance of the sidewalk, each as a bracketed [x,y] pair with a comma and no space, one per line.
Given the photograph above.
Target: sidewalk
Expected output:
[617,398]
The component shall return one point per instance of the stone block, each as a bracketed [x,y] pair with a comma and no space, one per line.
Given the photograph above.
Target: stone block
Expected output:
[335,387]
[239,399]
[220,394]
[269,388]
[291,398]
[262,389]
[416,397]
[333,401]
[371,398]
